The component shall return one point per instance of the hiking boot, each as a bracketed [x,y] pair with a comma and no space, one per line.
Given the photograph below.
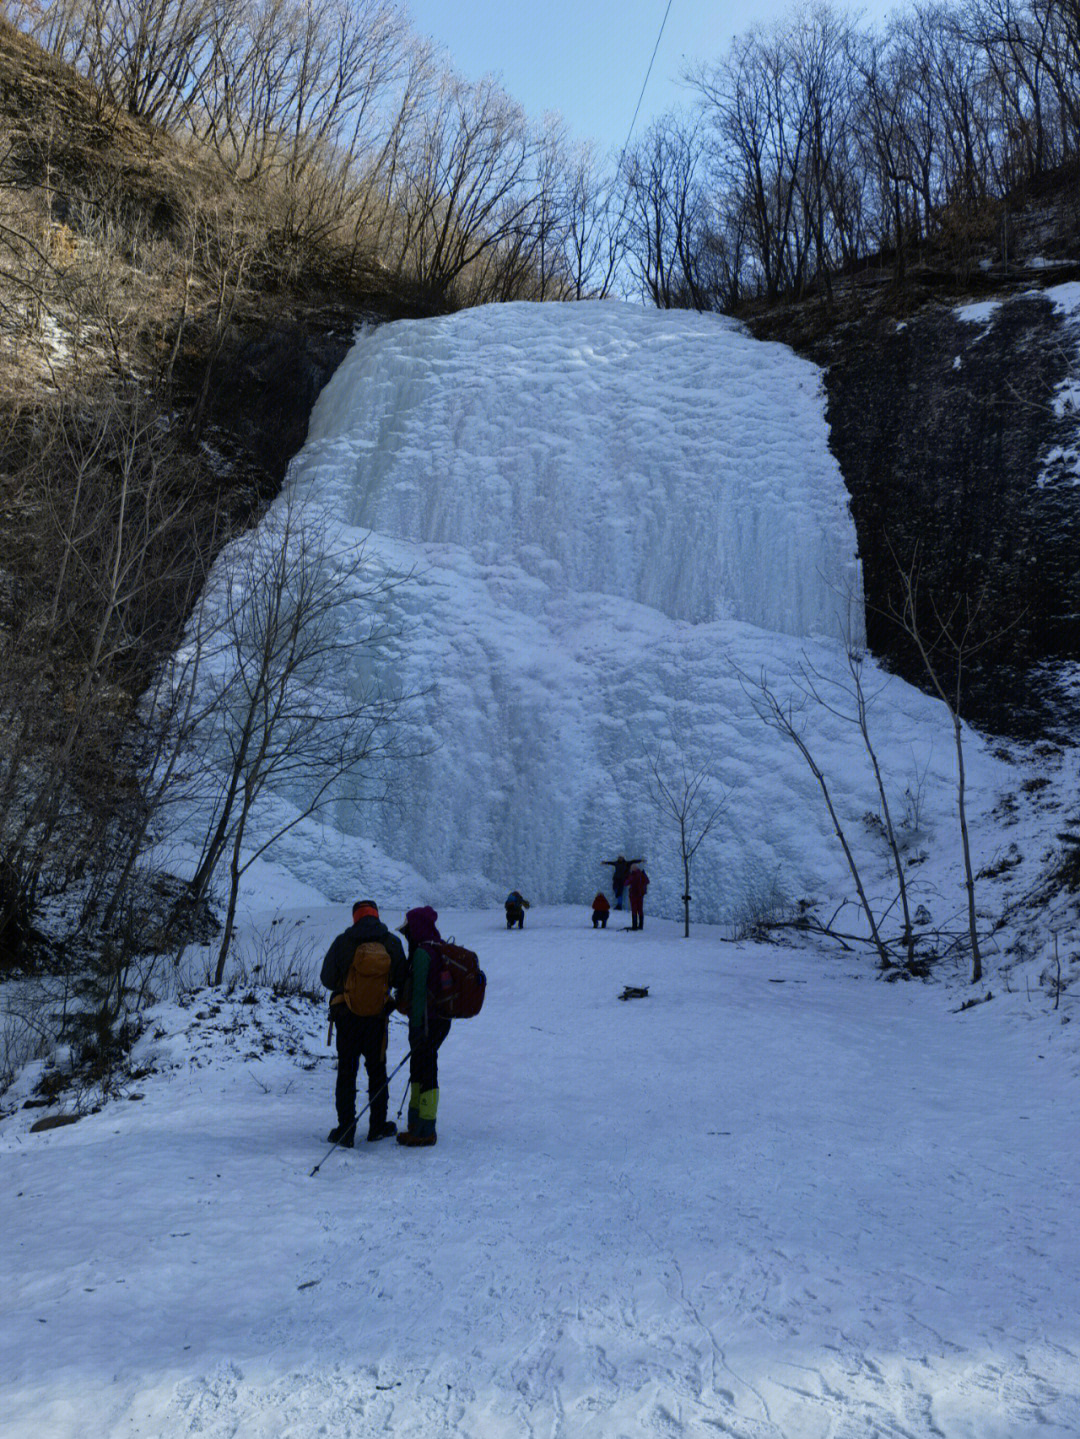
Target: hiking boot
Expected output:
[381,1131]
[416,1141]
[342,1134]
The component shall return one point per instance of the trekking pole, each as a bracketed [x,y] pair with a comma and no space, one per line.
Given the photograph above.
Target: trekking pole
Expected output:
[404,1092]
[385,1085]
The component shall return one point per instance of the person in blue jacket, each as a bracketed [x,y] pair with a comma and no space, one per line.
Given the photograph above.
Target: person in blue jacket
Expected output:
[515,906]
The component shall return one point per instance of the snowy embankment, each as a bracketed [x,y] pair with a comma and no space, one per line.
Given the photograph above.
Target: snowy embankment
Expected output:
[605,514]
[776,1199]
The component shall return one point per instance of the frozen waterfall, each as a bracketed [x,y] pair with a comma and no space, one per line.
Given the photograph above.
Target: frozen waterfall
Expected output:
[665,459]
[602,511]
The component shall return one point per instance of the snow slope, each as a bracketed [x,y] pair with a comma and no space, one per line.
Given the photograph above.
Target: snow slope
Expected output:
[606,513]
[776,1200]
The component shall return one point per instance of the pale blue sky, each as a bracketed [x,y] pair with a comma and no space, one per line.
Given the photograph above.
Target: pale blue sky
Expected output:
[588,58]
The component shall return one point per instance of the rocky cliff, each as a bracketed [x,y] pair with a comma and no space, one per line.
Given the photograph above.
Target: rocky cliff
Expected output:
[957,434]
[956,423]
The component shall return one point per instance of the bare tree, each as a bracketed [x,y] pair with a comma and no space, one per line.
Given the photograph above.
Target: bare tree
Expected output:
[530,259]
[946,643]
[824,99]
[292,711]
[467,184]
[884,154]
[139,54]
[746,98]
[849,701]
[226,244]
[682,791]
[104,566]
[785,715]
[159,741]
[668,214]
[594,235]
[379,168]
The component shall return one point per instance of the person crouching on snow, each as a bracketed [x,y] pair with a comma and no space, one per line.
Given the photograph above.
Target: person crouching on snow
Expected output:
[600,910]
[427,1027]
[515,907]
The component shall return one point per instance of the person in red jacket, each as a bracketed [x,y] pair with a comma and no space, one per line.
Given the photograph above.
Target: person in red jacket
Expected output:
[600,910]
[637,882]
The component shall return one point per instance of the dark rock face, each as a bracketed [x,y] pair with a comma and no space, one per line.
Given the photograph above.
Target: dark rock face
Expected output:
[266,379]
[265,384]
[278,377]
[946,431]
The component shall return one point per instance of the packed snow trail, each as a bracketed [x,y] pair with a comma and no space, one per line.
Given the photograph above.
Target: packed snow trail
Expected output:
[777,1199]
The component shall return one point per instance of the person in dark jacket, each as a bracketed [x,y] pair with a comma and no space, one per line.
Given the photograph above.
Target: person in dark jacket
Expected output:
[637,882]
[620,868]
[600,910]
[427,1028]
[515,906]
[360,1036]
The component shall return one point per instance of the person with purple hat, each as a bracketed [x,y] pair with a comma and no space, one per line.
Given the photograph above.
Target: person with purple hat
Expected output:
[427,1026]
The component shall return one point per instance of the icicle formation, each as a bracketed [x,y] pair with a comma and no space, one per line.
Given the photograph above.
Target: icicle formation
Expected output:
[663,458]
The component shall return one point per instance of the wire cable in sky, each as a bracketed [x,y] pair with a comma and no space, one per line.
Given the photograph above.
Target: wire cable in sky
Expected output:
[648,72]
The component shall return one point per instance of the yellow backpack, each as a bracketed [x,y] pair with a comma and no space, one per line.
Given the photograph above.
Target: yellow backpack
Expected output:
[367,984]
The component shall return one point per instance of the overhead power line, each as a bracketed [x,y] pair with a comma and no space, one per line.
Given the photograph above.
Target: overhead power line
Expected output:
[648,72]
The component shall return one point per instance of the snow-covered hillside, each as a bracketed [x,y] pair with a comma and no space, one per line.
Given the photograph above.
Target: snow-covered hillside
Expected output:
[606,514]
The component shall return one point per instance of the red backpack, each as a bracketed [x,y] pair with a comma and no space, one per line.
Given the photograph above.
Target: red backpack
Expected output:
[456,983]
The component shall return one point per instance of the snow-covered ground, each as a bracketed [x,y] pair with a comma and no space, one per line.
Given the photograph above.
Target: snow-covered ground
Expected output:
[776,1199]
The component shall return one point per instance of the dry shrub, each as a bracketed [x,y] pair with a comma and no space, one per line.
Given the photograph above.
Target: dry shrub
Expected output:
[967,230]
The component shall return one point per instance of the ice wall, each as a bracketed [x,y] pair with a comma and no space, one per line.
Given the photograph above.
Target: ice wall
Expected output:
[605,513]
[667,459]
